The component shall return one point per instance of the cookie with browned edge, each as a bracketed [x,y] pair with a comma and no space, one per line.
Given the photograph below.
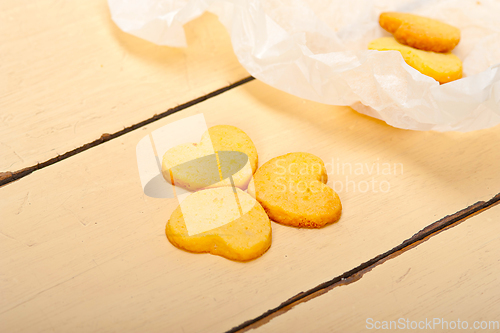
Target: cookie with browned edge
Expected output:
[222,221]
[292,189]
[420,32]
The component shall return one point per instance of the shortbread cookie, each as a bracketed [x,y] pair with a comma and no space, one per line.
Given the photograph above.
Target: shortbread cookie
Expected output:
[222,222]
[420,32]
[443,67]
[223,151]
[292,190]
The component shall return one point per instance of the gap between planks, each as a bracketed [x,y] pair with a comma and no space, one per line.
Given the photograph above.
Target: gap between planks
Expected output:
[8,177]
[358,272]
[347,278]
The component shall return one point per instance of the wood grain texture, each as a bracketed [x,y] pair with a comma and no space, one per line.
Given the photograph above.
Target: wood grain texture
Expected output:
[83,249]
[69,74]
[450,277]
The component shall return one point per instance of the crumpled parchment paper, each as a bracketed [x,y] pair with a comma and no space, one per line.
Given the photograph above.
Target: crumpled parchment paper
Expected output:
[317,50]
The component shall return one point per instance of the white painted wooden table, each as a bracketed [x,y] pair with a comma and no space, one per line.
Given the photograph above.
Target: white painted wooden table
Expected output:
[82,249]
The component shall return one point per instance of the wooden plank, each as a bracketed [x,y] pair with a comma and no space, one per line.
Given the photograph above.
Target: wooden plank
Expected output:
[448,282]
[83,249]
[69,74]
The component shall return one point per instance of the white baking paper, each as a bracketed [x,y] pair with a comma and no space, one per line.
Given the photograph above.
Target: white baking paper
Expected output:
[316,49]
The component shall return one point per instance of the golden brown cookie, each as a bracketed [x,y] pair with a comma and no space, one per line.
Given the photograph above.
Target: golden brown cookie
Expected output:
[222,222]
[292,190]
[210,162]
[443,67]
[420,32]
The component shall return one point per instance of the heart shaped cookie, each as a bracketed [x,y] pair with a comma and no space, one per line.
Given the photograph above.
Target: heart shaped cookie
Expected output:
[210,162]
[221,221]
[292,190]
[443,67]
[420,32]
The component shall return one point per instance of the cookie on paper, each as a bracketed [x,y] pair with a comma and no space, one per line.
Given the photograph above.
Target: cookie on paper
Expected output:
[443,67]
[420,32]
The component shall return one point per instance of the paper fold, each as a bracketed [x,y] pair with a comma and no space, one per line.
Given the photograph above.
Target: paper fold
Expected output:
[316,49]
